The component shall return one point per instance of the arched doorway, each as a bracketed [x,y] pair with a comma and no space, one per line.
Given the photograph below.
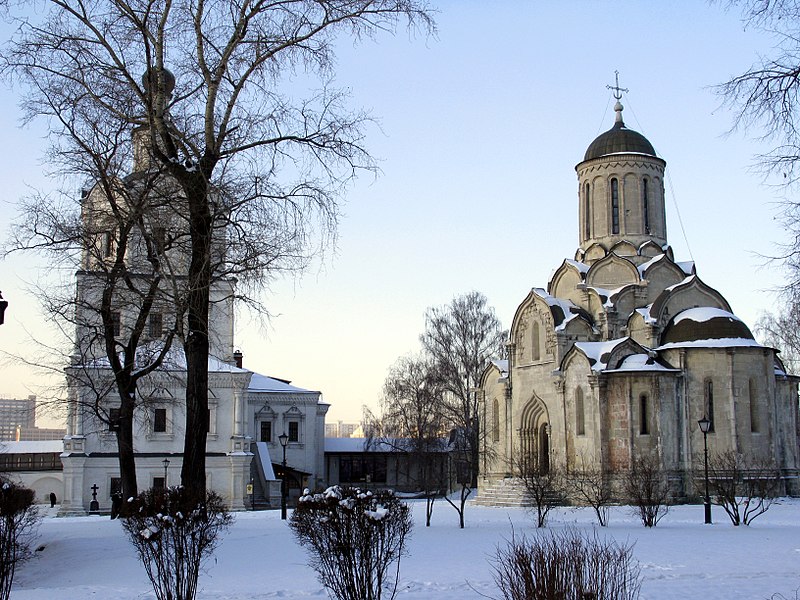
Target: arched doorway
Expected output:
[534,435]
[544,449]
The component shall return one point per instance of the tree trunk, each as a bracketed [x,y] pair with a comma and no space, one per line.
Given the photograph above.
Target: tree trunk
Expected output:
[196,345]
[124,429]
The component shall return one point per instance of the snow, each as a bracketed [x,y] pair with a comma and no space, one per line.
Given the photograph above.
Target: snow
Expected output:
[264,383]
[598,353]
[262,450]
[32,447]
[641,362]
[701,314]
[568,308]
[89,557]
[713,343]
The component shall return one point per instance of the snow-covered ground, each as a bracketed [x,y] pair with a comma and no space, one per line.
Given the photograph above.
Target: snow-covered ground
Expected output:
[88,557]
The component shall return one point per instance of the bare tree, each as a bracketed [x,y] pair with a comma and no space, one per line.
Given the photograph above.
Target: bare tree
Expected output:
[781,329]
[411,419]
[764,98]
[647,489]
[128,304]
[461,338]
[591,485]
[251,166]
[543,487]
[743,486]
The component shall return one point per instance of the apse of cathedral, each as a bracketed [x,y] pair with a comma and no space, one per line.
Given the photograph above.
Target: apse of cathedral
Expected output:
[626,349]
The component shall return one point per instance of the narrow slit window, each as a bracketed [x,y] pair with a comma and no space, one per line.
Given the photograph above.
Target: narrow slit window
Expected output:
[755,421]
[645,206]
[644,415]
[614,206]
[587,228]
[709,401]
[580,414]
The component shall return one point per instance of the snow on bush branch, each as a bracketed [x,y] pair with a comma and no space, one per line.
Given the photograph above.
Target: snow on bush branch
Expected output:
[354,539]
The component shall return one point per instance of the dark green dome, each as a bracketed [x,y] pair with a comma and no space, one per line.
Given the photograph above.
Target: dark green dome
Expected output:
[619,139]
[704,323]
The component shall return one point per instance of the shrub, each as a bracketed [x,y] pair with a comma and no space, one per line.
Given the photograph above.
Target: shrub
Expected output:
[647,489]
[544,490]
[591,485]
[743,486]
[354,539]
[566,566]
[174,533]
[18,523]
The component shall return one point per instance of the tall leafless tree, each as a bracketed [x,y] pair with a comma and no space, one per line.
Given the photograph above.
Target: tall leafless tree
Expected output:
[250,164]
[781,329]
[412,420]
[461,338]
[765,99]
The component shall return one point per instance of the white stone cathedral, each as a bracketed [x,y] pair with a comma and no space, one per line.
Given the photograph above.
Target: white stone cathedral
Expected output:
[626,349]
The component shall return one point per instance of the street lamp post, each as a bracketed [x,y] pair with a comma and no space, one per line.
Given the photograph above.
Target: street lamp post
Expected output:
[283,439]
[165,462]
[705,427]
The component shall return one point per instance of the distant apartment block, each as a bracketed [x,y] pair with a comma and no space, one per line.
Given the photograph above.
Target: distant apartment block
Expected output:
[18,422]
[16,414]
[341,429]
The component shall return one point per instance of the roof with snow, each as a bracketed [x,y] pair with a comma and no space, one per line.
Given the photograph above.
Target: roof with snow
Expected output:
[264,383]
[706,324]
[563,311]
[598,353]
[31,447]
[642,362]
[174,360]
[341,445]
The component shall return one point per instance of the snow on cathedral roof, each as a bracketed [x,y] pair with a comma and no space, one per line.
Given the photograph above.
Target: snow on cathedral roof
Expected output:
[598,353]
[641,362]
[501,365]
[706,327]
[563,311]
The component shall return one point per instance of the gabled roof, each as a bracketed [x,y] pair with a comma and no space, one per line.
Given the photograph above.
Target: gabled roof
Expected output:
[563,311]
[610,355]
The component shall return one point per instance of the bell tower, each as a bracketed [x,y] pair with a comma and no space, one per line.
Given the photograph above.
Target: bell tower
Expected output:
[620,194]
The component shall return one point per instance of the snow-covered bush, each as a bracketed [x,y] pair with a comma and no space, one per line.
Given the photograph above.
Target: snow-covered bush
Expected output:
[19,520]
[354,539]
[568,566]
[174,533]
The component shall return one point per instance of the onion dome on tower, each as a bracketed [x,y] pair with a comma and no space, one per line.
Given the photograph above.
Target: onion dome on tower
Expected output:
[618,140]
[621,195]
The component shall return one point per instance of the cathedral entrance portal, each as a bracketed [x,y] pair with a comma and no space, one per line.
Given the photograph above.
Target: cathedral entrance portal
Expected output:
[535,438]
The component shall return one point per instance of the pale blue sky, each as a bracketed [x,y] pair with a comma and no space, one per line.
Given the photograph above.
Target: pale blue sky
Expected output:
[480,132]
